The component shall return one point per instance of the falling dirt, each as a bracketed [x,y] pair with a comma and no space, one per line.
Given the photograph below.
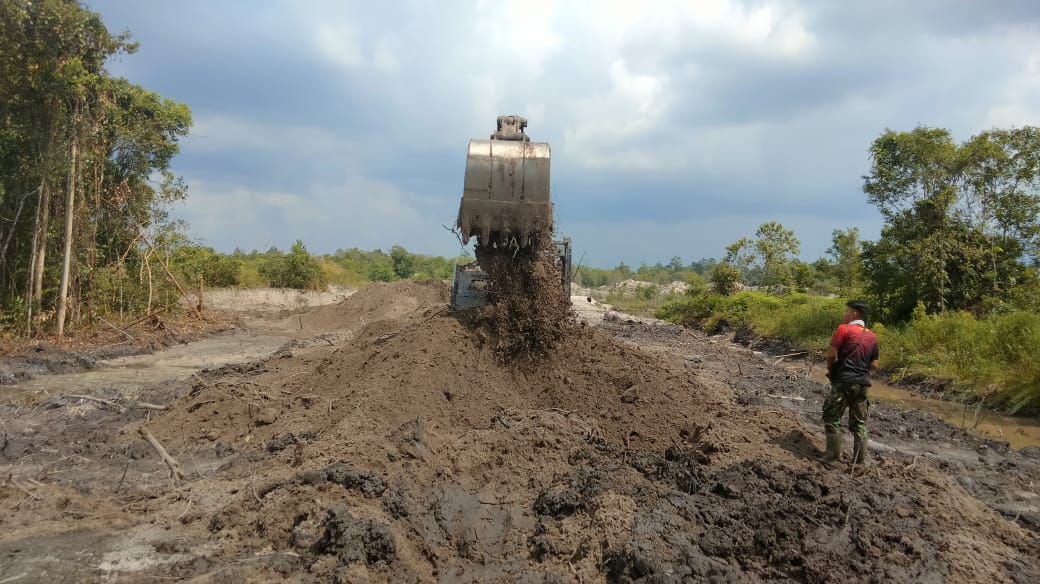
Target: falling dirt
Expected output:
[404,449]
[528,311]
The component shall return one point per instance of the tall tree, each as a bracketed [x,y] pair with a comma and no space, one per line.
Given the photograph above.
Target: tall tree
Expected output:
[847,252]
[67,125]
[765,260]
[961,221]
[776,248]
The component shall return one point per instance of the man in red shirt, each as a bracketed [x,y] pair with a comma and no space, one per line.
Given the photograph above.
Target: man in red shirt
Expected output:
[852,356]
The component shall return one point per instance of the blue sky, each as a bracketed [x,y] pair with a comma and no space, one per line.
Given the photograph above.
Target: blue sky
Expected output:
[676,127]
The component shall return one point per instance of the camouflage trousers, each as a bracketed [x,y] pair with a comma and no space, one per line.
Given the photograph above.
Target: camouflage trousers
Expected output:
[846,395]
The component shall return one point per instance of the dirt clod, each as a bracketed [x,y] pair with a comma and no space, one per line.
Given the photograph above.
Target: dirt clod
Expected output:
[367,483]
[351,539]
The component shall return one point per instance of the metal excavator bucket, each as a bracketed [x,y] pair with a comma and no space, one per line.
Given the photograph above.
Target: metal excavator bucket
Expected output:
[505,197]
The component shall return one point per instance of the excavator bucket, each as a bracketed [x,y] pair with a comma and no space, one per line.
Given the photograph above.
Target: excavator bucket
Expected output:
[505,197]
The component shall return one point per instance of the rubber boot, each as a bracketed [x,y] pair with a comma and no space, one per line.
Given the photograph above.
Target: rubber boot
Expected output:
[833,449]
[862,457]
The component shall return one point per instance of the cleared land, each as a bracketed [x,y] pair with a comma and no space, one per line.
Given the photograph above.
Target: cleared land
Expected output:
[386,440]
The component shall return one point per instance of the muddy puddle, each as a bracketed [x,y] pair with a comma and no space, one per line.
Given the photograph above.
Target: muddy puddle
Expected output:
[1017,432]
[128,374]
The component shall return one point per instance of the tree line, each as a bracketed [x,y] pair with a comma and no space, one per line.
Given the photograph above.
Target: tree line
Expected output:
[84,168]
[298,268]
[961,227]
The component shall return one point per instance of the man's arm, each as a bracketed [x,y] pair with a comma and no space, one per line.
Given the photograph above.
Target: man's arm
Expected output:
[832,357]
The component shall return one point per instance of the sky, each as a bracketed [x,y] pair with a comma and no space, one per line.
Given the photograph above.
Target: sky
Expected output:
[676,127]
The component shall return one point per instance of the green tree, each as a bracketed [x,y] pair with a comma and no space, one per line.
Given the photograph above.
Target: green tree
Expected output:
[766,259]
[191,261]
[703,266]
[80,148]
[847,267]
[740,256]
[403,262]
[961,221]
[296,269]
[776,248]
[724,277]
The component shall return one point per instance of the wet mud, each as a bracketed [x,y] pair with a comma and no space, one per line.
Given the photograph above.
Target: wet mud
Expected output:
[528,312]
[404,449]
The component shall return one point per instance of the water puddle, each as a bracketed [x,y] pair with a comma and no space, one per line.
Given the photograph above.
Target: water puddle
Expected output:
[1016,431]
[128,374]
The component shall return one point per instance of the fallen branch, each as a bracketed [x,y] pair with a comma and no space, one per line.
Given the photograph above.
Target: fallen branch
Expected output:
[195,406]
[151,314]
[125,468]
[148,406]
[786,397]
[252,487]
[117,329]
[31,494]
[171,462]
[105,402]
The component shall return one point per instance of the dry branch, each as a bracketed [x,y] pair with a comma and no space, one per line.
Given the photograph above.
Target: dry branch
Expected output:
[172,278]
[105,402]
[31,494]
[148,406]
[117,329]
[171,462]
[151,314]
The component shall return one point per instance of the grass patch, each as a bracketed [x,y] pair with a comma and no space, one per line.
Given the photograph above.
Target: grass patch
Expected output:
[803,319]
[994,358]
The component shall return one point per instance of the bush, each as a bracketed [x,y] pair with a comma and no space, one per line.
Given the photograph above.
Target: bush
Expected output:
[296,269]
[991,358]
[217,270]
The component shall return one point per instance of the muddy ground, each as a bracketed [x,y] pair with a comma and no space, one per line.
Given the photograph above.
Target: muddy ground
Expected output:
[386,441]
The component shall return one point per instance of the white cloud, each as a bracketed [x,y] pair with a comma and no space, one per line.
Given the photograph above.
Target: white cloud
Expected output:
[767,101]
[357,212]
[1019,99]
[340,43]
[518,33]
[603,134]
[217,132]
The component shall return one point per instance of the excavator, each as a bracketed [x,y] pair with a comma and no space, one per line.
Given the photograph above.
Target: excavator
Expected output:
[505,204]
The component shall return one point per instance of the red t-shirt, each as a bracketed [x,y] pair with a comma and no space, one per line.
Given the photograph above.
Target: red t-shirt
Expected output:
[857,347]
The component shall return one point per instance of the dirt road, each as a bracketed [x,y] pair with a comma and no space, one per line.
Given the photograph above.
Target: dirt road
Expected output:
[384,441]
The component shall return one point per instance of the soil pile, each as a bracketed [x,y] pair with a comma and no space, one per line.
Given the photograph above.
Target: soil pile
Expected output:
[412,453]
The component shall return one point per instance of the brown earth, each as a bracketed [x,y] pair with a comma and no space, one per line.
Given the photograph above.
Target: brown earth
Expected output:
[407,451]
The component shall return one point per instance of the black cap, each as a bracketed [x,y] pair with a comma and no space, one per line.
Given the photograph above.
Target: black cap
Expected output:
[859,306]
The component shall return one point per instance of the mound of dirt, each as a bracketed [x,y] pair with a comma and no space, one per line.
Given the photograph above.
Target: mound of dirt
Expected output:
[415,453]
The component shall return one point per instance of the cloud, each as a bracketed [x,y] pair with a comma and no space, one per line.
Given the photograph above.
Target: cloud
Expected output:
[674,122]
[356,213]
